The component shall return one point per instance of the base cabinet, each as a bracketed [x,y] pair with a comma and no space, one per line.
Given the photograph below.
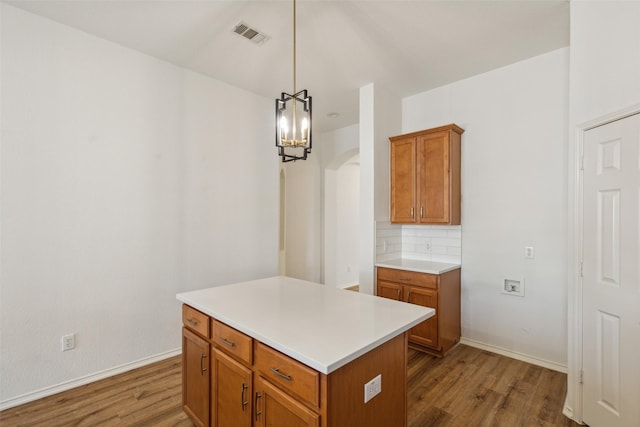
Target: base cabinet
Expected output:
[195,377]
[233,380]
[276,408]
[441,332]
[231,392]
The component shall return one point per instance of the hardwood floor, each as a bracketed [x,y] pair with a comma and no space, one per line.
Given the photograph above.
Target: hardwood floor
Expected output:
[468,387]
[472,387]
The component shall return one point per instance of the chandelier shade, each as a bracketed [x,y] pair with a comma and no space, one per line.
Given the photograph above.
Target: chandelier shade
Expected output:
[293,117]
[293,126]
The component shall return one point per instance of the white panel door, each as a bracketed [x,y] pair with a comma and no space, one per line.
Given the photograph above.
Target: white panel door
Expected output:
[611,269]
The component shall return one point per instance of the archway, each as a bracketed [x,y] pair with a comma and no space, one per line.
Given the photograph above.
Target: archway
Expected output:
[341,220]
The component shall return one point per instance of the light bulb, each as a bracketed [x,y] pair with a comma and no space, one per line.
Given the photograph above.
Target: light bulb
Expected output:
[283,127]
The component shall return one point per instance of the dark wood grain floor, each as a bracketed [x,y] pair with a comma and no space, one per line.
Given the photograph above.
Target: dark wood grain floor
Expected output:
[468,387]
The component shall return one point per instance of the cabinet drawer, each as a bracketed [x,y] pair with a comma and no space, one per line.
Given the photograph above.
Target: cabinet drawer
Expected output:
[287,373]
[231,341]
[195,320]
[408,277]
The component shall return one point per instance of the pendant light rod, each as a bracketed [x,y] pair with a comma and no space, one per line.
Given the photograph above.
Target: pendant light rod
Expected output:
[293,114]
[294,46]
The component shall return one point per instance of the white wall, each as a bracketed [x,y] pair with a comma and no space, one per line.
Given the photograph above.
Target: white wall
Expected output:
[124,181]
[605,65]
[513,195]
[337,146]
[335,149]
[380,117]
[303,218]
[366,133]
[347,224]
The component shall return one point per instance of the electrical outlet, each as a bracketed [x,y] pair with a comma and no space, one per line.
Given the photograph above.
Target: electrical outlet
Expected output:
[68,342]
[372,388]
[529,252]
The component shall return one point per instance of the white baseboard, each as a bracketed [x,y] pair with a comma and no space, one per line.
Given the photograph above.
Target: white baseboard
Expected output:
[515,355]
[68,385]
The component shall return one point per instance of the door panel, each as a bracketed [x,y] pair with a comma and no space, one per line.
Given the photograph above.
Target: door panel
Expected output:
[425,333]
[195,387]
[274,408]
[389,290]
[403,180]
[611,292]
[231,391]
[433,181]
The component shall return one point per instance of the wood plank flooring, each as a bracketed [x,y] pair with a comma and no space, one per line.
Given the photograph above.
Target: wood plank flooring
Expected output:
[468,387]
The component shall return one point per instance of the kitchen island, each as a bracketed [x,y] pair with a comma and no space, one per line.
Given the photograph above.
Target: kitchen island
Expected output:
[283,351]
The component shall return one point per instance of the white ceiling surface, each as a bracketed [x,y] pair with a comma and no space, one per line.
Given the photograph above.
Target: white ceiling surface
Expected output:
[403,46]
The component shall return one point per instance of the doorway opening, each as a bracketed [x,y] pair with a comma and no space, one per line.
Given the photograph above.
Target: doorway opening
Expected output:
[341,221]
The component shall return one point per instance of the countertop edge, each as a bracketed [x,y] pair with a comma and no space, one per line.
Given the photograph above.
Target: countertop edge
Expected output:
[386,264]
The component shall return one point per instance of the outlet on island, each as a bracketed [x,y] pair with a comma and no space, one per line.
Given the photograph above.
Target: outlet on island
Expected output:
[372,388]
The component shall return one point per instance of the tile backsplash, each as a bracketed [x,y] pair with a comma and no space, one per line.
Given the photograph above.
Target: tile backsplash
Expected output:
[423,242]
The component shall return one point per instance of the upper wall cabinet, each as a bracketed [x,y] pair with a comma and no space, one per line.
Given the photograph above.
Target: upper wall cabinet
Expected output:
[425,176]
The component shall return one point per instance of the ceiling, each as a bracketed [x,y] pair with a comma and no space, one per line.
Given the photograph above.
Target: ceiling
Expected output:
[404,46]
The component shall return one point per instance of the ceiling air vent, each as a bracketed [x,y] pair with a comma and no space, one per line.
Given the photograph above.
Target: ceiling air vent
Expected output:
[249,33]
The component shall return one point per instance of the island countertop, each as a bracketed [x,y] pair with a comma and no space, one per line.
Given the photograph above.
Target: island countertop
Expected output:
[323,327]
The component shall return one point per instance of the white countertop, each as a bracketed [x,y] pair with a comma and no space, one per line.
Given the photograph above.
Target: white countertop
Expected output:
[420,266]
[323,327]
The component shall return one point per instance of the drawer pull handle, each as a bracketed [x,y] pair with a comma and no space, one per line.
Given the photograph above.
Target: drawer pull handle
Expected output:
[258,412]
[421,211]
[192,322]
[203,369]
[411,212]
[226,342]
[242,401]
[280,374]
[398,295]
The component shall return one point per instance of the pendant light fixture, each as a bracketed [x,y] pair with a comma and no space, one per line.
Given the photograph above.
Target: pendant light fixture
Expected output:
[293,117]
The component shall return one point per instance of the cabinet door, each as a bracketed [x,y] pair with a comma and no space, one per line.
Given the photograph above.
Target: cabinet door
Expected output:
[195,377]
[275,408]
[425,333]
[433,178]
[403,180]
[231,391]
[389,290]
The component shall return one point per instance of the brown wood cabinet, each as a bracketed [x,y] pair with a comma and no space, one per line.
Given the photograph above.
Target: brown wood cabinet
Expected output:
[425,176]
[441,332]
[247,383]
[231,392]
[195,377]
[276,408]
